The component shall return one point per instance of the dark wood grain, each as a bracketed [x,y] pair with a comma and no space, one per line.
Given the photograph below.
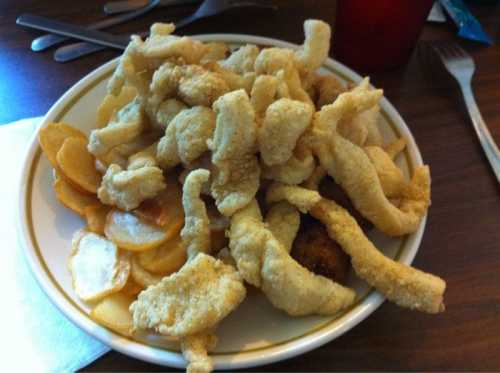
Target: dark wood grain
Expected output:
[462,238]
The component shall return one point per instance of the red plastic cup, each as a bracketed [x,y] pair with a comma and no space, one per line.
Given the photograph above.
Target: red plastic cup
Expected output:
[377,35]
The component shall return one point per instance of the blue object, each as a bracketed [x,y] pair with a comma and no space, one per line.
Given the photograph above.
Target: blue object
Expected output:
[468,26]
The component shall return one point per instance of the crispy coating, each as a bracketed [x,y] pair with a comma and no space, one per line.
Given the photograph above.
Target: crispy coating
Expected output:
[353,129]
[186,137]
[190,301]
[315,178]
[242,60]
[263,93]
[395,147]
[297,291]
[317,252]
[295,170]
[271,60]
[316,45]
[234,81]
[302,198]
[143,158]
[291,79]
[237,172]
[194,349]
[196,232]
[126,125]
[246,241]
[370,119]
[401,284]
[199,86]
[328,87]
[283,220]
[127,189]
[391,177]
[284,122]
[214,52]
[167,110]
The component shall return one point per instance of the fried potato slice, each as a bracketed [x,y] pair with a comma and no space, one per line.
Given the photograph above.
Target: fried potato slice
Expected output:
[165,259]
[96,217]
[130,233]
[78,165]
[113,313]
[71,197]
[284,122]
[165,210]
[97,268]
[192,300]
[401,284]
[283,220]
[141,276]
[131,288]
[111,104]
[52,136]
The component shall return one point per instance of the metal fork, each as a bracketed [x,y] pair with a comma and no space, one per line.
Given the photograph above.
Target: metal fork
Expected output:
[461,66]
[207,9]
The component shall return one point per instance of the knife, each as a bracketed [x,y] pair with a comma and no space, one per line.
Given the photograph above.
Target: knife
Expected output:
[78,32]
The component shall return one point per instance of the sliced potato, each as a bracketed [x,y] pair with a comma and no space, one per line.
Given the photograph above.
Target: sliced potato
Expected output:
[141,276]
[71,197]
[78,164]
[96,217]
[131,233]
[97,268]
[166,258]
[113,313]
[131,288]
[111,104]
[52,136]
[165,210]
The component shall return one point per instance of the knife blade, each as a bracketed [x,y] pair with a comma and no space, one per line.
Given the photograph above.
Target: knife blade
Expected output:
[74,31]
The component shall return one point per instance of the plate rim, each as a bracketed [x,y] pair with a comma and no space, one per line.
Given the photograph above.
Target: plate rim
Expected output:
[174,359]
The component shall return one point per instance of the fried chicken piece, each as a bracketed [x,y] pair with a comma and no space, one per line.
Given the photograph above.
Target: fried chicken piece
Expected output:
[247,235]
[127,189]
[126,125]
[302,198]
[284,122]
[317,252]
[314,51]
[186,137]
[242,60]
[190,301]
[297,291]
[196,231]
[283,220]
[236,175]
[401,284]
[194,349]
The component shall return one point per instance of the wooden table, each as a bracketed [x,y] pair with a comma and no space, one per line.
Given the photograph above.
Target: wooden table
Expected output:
[462,238]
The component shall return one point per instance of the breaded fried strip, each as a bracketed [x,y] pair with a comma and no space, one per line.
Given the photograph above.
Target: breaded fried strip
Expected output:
[196,231]
[283,220]
[194,349]
[302,198]
[401,284]
[391,177]
[316,45]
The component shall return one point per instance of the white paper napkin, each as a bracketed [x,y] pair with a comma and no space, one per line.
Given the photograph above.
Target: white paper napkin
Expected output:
[36,336]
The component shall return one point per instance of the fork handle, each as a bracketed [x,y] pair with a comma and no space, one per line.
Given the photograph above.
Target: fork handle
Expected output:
[489,146]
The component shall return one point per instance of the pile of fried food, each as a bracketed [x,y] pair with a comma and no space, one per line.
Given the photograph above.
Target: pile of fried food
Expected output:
[195,179]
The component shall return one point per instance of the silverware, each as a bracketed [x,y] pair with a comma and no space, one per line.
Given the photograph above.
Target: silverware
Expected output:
[121,6]
[461,66]
[69,30]
[43,42]
[207,8]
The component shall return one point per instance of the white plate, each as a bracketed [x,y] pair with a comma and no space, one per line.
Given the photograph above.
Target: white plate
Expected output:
[255,333]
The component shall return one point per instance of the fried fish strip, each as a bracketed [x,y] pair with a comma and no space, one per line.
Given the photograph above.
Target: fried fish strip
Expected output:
[302,198]
[143,158]
[242,60]
[263,93]
[395,147]
[401,284]
[283,220]
[316,45]
[237,172]
[353,171]
[196,231]
[391,177]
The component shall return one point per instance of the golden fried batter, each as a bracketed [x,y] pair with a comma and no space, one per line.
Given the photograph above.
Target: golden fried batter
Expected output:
[283,220]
